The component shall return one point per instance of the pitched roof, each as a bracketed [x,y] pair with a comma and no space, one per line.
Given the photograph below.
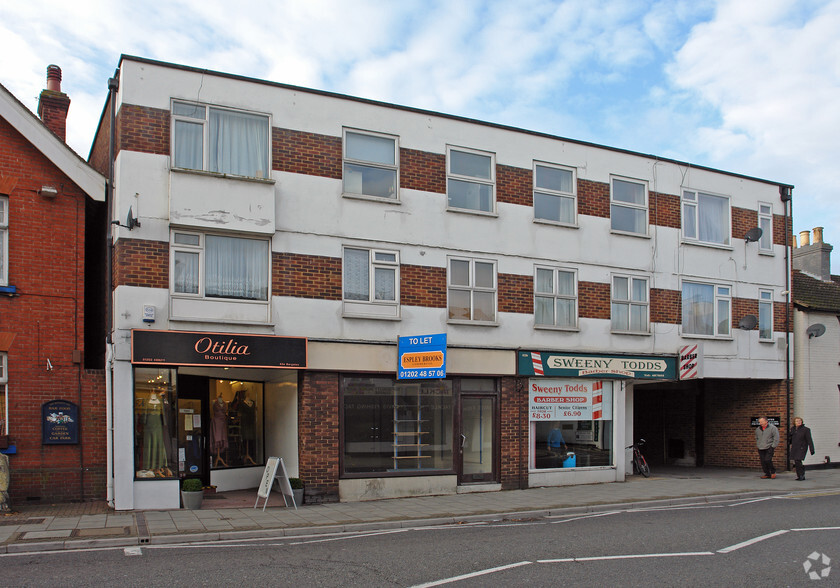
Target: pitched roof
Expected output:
[809,293]
[53,148]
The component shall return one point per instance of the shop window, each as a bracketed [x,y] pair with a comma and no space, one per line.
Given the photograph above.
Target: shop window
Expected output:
[371,282]
[630,308]
[554,194]
[4,241]
[155,425]
[705,217]
[472,290]
[765,315]
[392,426]
[236,423]
[765,223]
[628,206]
[571,429]
[471,180]
[220,140]
[371,163]
[219,266]
[706,309]
[4,385]
[555,298]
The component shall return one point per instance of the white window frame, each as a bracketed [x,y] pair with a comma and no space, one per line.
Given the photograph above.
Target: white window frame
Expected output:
[205,124]
[4,241]
[490,182]
[765,223]
[472,289]
[347,160]
[372,308]
[721,292]
[4,385]
[200,250]
[765,302]
[690,200]
[619,204]
[558,194]
[630,302]
[555,296]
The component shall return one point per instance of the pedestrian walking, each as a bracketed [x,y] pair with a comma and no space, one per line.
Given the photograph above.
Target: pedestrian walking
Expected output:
[800,441]
[766,439]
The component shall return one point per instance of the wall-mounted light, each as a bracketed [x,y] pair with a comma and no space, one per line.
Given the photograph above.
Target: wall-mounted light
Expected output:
[48,191]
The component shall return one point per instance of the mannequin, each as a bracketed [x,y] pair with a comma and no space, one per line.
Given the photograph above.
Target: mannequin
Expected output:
[248,420]
[218,431]
[154,452]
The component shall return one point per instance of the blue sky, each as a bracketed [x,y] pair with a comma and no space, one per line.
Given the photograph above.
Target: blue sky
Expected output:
[747,86]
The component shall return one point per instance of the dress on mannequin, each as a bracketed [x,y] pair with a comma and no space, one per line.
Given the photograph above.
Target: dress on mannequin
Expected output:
[248,421]
[154,452]
[218,431]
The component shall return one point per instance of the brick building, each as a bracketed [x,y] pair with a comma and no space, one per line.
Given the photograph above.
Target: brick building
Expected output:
[52,401]
[402,302]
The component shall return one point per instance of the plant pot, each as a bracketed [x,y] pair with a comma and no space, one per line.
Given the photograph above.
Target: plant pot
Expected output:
[192,500]
[298,494]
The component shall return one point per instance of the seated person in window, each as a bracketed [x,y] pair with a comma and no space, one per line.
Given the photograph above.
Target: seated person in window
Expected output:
[556,443]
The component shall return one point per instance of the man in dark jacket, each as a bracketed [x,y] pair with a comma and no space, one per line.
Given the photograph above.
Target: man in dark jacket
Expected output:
[766,439]
[800,441]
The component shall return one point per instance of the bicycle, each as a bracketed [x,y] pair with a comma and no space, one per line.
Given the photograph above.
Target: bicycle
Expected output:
[640,465]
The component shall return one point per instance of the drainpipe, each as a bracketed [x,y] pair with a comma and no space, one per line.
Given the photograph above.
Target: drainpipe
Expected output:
[785,193]
[113,86]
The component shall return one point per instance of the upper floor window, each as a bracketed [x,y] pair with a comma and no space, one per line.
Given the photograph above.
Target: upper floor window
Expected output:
[471,179]
[765,315]
[706,309]
[705,217]
[554,193]
[371,163]
[4,241]
[220,140]
[555,297]
[371,275]
[628,206]
[765,223]
[219,266]
[630,306]
[471,285]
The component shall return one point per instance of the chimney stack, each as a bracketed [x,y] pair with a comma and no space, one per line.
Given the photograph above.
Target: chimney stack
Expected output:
[813,258]
[54,104]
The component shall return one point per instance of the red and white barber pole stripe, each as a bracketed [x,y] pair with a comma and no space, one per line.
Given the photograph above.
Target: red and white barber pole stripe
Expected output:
[536,359]
[597,400]
[689,362]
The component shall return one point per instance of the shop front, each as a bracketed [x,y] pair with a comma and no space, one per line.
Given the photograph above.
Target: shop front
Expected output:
[211,406]
[580,411]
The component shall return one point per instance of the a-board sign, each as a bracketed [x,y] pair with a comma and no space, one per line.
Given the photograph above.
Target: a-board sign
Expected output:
[267,481]
[269,475]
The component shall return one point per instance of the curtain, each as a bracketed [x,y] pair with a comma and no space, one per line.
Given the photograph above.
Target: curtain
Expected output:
[356,274]
[385,284]
[711,222]
[238,143]
[236,268]
[698,309]
[188,145]
[186,272]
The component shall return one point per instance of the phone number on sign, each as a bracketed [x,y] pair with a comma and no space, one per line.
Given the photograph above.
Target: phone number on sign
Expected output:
[423,374]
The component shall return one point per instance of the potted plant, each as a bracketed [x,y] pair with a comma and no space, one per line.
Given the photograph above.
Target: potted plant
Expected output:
[192,493]
[297,490]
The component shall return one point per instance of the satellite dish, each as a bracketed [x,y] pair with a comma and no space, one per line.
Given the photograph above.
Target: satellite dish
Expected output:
[815,330]
[748,322]
[753,235]
[130,221]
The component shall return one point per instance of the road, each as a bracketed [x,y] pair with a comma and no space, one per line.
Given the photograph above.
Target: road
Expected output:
[766,541]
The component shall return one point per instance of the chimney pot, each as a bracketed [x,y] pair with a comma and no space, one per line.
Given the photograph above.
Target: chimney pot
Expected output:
[54,78]
[818,235]
[804,238]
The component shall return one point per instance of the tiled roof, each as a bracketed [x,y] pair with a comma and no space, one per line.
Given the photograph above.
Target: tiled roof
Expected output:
[813,294]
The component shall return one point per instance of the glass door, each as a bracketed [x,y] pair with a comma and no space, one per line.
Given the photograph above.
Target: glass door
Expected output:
[193,428]
[477,439]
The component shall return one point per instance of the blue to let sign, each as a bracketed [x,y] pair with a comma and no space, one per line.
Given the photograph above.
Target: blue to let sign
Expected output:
[421,357]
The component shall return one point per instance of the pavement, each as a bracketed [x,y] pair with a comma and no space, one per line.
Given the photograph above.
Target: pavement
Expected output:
[232,516]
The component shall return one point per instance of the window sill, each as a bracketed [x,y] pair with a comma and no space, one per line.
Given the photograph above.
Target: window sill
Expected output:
[471,211]
[767,253]
[472,323]
[632,333]
[707,337]
[545,221]
[370,198]
[574,329]
[370,310]
[201,172]
[629,234]
[707,245]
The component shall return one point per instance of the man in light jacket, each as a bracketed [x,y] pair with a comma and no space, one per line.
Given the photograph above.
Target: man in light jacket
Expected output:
[766,439]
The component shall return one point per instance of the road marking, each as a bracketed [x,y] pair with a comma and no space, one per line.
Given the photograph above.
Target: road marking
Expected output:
[752,541]
[628,556]
[743,502]
[818,529]
[580,518]
[133,551]
[473,575]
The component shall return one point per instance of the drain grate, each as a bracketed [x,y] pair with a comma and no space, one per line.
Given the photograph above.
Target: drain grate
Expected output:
[7,522]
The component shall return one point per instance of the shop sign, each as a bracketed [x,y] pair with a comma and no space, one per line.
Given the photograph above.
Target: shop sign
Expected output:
[59,423]
[567,400]
[772,420]
[217,349]
[586,365]
[691,359]
[421,357]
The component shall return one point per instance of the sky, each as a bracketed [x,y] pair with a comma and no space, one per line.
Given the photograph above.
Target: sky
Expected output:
[745,86]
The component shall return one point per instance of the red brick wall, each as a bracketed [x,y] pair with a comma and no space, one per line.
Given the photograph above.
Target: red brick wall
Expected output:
[306,276]
[139,262]
[593,198]
[306,153]
[514,433]
[423,286]
[318,436]
[514,185]
[421,170]
[742,221]
[593,300]
[144,129]
[665,210]
[516,293]
[46,265]
[665,306]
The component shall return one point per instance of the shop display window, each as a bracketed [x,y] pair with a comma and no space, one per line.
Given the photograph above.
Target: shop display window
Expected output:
[396,426]
[571,423]
[155,433]
[236,424]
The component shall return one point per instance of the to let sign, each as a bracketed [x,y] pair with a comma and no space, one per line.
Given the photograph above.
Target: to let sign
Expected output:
[422,356]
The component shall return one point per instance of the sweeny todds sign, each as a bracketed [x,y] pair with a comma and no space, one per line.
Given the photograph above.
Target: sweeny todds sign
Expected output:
[583,365]
[568,400]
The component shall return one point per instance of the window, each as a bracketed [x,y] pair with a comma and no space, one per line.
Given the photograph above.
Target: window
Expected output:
[155,423]
[705,217]
[706,309]
[4,406]
[371,277]
[472,290]
[555,298]
[396,426]
[220,140]
[471,179]
[218,266]
[4,241]
[628,206]
[554,194]
[630,307]
[765,223]
[765,315]
[236,423]
[370,165]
